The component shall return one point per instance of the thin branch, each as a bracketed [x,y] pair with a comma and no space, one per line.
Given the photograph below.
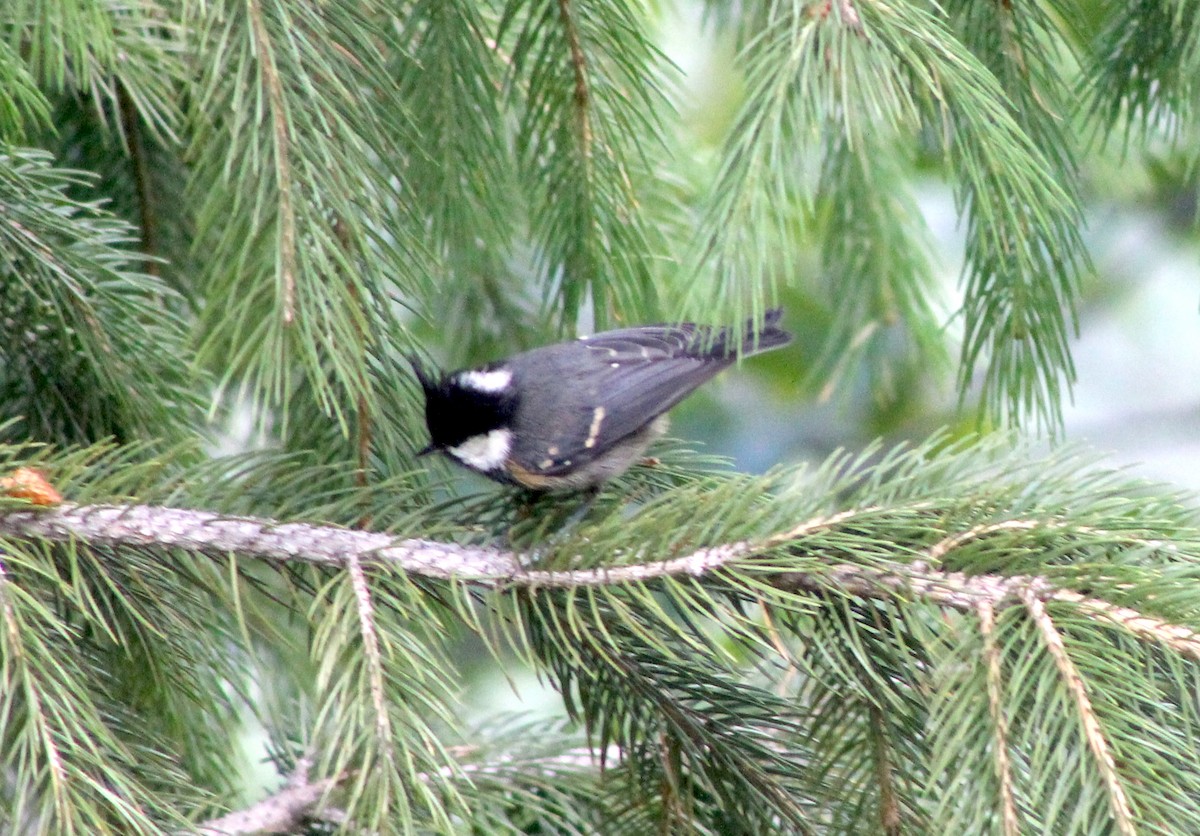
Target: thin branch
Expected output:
[583,122]
[278,813]
[283,166]
[1175,636]
[203,532]
[959,591]
[940,549]
[33,693]
[364,429]
[889,805]
[370,637]
[1117,800]
[131,130]
[582,113]
[300,798]
[995,691]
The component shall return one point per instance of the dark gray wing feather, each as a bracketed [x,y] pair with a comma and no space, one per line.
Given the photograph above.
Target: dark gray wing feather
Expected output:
[634,374]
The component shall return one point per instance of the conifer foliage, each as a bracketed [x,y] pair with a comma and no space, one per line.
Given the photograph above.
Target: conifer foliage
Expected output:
[223,214]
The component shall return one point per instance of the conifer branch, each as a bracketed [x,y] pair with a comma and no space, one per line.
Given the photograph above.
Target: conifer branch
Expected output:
[364,417]
[579,68]
[991,654]
[213,534]
[283,167]
[300,796]
[940,549]
[277,813]
[890,820]
[1117,799]
[370,637]
[987,640]
[1179,638]
[139,167]
[36,712]
[581,107]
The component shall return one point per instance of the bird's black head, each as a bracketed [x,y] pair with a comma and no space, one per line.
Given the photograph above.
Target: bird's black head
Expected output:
[466,404]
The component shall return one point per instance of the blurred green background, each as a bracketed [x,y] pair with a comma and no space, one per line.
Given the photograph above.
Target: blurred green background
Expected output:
[1137,354]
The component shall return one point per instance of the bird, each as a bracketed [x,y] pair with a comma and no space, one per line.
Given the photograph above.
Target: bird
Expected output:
[570,416]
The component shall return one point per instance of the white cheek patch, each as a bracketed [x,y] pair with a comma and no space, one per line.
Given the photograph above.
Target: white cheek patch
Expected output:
[488,451]
[496,380]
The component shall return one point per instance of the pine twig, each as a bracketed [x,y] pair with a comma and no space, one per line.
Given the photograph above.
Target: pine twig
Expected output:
[281,136]
[139,167]
[889,806]
[1118,801]
[370,638]
[582,96]
[991,654]
[54,759]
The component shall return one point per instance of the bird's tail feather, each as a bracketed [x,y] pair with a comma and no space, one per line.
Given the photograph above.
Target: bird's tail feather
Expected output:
[755,338]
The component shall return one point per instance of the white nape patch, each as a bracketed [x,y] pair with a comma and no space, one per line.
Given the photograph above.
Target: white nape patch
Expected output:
[488,451]
[496,380]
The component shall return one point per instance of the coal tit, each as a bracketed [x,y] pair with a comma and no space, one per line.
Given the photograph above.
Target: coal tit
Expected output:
[572,415]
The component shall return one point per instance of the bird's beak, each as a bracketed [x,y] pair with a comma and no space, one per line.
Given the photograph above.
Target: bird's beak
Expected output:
[426,450]
[426,380]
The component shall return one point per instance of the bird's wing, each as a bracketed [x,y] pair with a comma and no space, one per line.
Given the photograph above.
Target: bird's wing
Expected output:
[625,379]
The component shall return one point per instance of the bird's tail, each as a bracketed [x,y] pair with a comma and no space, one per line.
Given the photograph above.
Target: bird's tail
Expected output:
[769,336]
[755,338]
